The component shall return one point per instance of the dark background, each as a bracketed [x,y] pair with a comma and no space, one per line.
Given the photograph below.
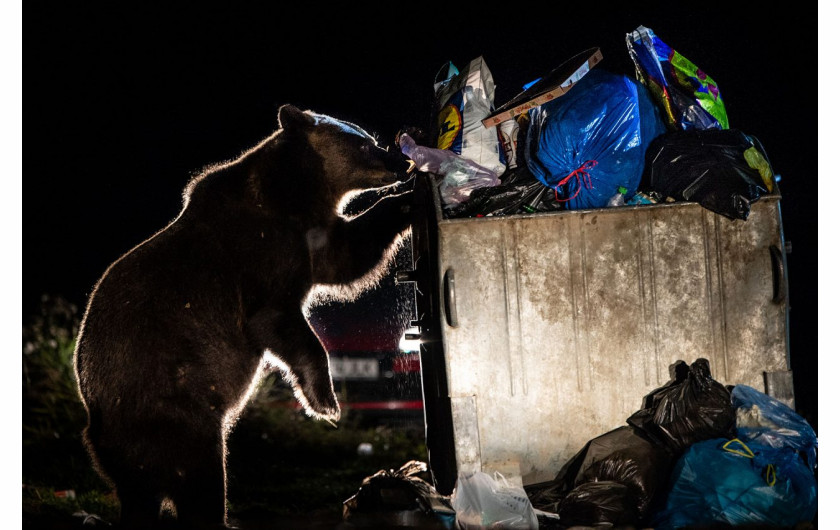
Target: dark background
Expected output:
[125,104]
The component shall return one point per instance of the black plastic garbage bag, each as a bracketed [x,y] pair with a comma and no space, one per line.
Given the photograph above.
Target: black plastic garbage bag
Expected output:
[399,498]
[620,476]
[519,192]
[724,171]
[624,457]
[599,503]
[691,408]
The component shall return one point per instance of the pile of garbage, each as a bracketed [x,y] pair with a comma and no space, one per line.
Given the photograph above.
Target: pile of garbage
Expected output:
[697,453]
[582,137]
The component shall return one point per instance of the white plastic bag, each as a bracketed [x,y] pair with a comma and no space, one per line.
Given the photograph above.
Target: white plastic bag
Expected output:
[481,501]
[463,100]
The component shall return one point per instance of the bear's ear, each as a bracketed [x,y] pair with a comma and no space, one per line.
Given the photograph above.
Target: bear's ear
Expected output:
[292,118]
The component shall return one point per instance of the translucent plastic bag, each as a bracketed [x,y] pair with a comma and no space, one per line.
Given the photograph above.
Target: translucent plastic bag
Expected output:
[731,482]
[461,176]
[764,420]
[481,501]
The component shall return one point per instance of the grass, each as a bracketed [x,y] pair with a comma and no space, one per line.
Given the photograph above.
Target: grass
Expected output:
[53,455]
[280,461]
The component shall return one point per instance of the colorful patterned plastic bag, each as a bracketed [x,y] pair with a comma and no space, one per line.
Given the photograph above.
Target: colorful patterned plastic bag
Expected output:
[690,98]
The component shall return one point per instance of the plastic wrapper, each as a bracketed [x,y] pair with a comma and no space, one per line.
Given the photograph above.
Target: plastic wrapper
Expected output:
[509,136]
[592,140]
[461,176]
[727,481]
[691,408]
[399,498]
[689,97]
[724,171]
[463,100]
[482,501]
[623,457]
[763,420]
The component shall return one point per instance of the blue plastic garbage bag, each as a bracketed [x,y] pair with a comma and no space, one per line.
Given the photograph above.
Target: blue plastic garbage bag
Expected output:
[731,482]
[592,140]
[764,420]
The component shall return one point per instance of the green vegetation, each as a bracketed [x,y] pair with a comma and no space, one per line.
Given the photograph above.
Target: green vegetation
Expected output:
[280,461]
[54,457]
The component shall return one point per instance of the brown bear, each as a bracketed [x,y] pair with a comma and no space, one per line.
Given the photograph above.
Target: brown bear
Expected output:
[179,330]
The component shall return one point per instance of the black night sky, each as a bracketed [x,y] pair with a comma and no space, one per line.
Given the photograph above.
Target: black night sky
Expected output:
[125,104]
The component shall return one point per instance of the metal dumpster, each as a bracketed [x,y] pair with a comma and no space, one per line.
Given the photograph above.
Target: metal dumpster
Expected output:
[541,332]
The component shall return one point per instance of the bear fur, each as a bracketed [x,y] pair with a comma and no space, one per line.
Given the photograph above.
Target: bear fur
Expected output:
[179,330]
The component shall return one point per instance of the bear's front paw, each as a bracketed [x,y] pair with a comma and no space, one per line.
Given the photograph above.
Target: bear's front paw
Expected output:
[330,415]
[319,401]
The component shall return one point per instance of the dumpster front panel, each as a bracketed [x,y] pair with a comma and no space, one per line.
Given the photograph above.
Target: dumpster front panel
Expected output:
[566,320]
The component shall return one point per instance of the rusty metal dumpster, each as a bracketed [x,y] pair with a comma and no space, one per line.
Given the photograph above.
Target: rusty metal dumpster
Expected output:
[540,332]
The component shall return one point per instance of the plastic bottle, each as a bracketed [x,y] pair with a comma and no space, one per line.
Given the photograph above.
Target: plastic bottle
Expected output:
[618,198]
[640,198]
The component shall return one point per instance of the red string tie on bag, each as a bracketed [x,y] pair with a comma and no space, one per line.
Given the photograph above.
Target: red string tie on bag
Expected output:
[581,175]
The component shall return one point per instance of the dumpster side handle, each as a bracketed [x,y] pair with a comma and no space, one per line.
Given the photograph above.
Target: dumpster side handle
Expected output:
[449,298]
[778,264]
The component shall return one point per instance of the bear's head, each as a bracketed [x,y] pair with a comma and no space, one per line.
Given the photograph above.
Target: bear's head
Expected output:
[350,158]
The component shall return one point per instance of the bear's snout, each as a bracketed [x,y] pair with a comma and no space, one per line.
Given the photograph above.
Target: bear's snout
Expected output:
[398,163]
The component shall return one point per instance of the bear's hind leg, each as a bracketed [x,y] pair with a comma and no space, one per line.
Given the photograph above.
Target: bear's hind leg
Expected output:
[137,485]
[200,496]
[139,506]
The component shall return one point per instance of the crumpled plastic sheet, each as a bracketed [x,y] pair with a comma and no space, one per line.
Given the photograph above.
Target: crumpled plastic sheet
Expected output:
[767,421]
[461,176]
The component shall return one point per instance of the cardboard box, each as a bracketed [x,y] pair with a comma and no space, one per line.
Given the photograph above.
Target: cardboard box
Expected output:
[555,84]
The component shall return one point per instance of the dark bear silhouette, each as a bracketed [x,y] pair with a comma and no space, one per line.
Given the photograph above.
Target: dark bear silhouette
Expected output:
[180,329]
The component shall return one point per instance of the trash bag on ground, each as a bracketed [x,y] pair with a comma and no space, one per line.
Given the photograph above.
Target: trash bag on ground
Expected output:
[463,99]
[599,503]
[689,97]
[724,171]
[461,176]
[764,420]
[692,407]
[731,482]
[634,467]
[484,501]
[399,498]
[591,141]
